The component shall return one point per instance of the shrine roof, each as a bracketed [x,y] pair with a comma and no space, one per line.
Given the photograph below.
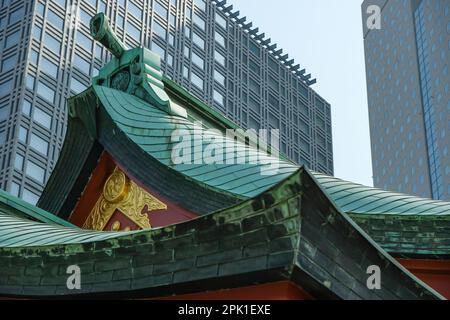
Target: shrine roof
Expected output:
[151,129]
[407,234]
[257,241]
[255,224]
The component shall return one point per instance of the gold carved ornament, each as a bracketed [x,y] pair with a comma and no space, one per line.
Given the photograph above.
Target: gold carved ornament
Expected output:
[120,193]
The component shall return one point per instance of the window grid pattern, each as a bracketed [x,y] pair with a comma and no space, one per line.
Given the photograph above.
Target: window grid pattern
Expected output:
[202,49]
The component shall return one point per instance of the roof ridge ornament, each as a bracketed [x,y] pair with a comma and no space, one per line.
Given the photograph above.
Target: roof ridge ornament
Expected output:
[102,32]
[135,71]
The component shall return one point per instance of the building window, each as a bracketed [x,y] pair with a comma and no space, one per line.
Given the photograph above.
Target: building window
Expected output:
[40,9]
[18,162]
[220,78]
[34,57]
[38,144]
[84,41]
[85,17]
[198,61]
[4,113]
[46,92]
[170,60]
[81,64]
[55,20]
[218,98]
[62,3]
[197,81]
[254,86]
[26,108]
[29,81]
[254,48]
[23,134]
[12,39]
[199,21]
[102,6]
[134,32]
[37,33]
[49,68]
[220,39]
[16,15]
[98,51]
[253,123]
[134,10]
[30,197]
[221,21]
[274,122]
[273,83]
[273,65]
[187,32]
[120,21]
[172,20]
[200,4]
[198,41]
[52,44]
[255,106]
[219,58]
[6,87]
[9,63]
[76,86]
[42,118]
[254,67]
[188,11]
[35,172]
[156,48]
[15,189]
[159,30]
[171,39]
[160,10]
[303,91]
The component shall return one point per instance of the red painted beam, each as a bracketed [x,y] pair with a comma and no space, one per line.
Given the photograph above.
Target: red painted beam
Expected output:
[435,273]
[283,290]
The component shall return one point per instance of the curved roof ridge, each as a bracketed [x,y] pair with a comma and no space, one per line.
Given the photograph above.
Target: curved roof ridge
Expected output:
[369,200]
[248,179]
[18,207]
[16,232]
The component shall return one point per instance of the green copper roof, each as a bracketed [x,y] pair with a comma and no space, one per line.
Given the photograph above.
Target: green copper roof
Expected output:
[16,229]
[19,232]
[151,129]
[355,198]
[15,206]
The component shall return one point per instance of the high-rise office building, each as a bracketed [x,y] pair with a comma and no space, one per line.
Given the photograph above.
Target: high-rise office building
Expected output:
[407,63]
[47,55]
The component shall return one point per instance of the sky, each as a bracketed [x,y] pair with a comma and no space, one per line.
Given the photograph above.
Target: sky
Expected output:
[326,38]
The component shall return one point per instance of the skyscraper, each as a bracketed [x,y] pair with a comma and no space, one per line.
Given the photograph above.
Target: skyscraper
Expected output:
[47,55]
[407,63]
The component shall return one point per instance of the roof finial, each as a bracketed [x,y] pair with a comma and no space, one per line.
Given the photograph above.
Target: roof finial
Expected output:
[134,71]
[102,32]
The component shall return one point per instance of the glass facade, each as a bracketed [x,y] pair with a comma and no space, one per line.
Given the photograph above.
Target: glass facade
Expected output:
[429,112]
[46,58]
[407,84]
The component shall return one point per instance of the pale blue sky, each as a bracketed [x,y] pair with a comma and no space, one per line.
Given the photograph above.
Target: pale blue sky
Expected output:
[325,36]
